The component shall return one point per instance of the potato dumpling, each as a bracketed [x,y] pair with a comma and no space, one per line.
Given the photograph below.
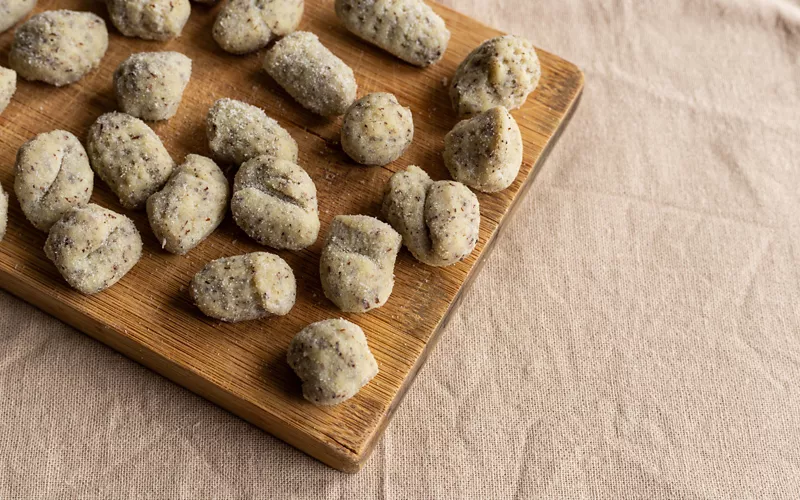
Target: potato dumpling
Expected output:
[3,213]
[357,263]
[11,11]
[275,203]
[439,221]
[149,19]
[245,287]
[191,205]
[52,175]
[58,46]
[129,157]
[500,72]
[377,130]
[150,85]
[8,85]
[238,131]
[244,26]
[485,152]
[312,74]
[333,361]
[93,247]
[409,29]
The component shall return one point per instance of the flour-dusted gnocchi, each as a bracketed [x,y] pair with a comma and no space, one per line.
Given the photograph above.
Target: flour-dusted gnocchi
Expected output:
[93,247]
[52,175]
[191,205]
[377,130]
[58,46]
[502,71]
[149,19]
[150,85]
[409,29]
[275,203]
[3,213]
[333,360]
[357,263]
[244,26]
[312,74]
[11,11]
[245,287]
[238,131]
[128,156]
[485,152]
[8,85]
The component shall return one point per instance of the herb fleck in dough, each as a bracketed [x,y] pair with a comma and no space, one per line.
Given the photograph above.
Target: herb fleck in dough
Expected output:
[439,221]
[11,11]
[52,175]
[238,131]
[485,152]
[191,205]
[244,26]
[275,203]
[333,361]
[312,74]
[500,72]
[3,213]
[150,85]
[93,247]
[129,157]
[377,130]
[357,263]
[8,85]
[409,29]
[149,19]
[59,46]
[245,287]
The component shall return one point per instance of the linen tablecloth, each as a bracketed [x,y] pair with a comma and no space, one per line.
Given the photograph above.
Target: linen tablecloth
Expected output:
[636,332]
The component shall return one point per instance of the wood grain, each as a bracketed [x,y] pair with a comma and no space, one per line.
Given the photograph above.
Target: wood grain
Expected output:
[149,316]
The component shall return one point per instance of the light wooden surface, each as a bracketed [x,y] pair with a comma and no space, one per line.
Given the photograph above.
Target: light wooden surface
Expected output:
[149,316]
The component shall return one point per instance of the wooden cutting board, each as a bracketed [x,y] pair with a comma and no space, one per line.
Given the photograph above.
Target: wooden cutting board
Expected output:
[149,316]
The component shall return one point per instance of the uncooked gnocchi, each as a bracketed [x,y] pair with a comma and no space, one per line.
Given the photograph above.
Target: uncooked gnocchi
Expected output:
[333,360]
[245,287]
[52,175]
[238,131]
[93,247]
[58,46]
[149,19]
[8,85]
[485,152]
[409,29]
[439,221]
[275,203]
[3,213]
[191,205]
[312,74]
[150,85]
[128,156]
[11,11]
[377,130]
[357,263]
[244,26]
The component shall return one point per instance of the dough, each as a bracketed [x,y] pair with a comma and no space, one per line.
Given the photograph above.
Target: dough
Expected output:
[8,85]
[3,213]
[191,205]
[149,85]
[377,130]
[275,203]
[129,157]
[500,72]
[52,175]
[58,46]
[11,11]
[357,263]
[245,287]
[439,221]
[238,131]
[93,247]
[333,361]
[312,74]
[485,152]
[244,26]
[409,29]
[149,19]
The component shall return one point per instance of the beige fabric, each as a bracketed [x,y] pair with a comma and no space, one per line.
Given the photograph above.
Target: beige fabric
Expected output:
[636,333]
